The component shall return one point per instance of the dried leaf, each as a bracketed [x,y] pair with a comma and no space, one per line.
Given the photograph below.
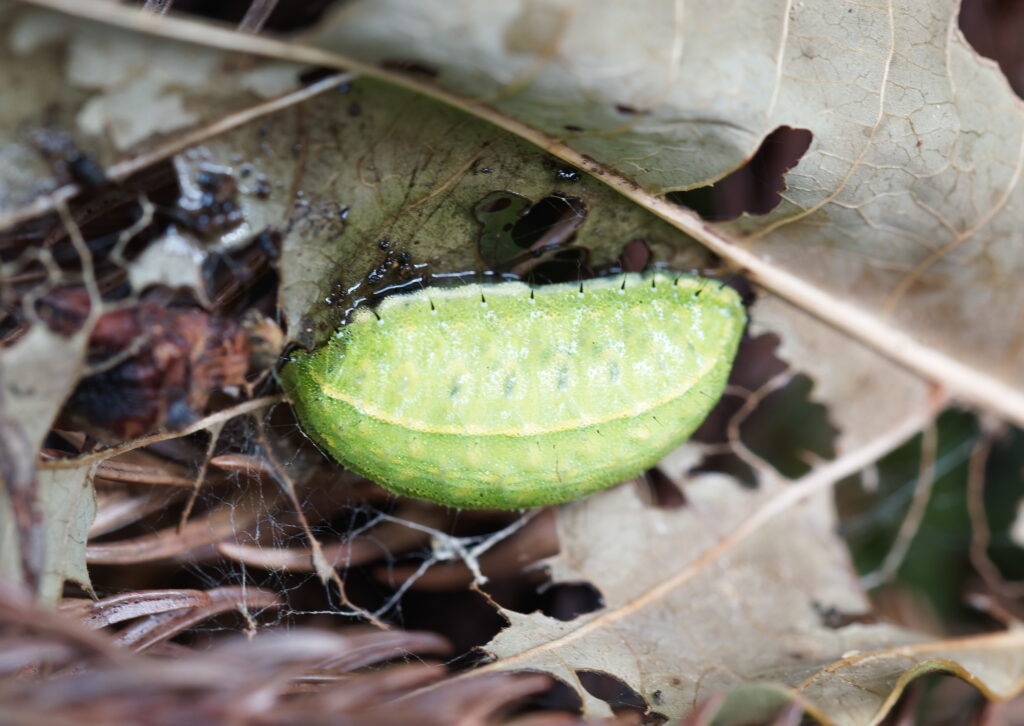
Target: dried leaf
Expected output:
[298,676]
[859,386]
[63,505]
[887,230]
[678,625]
[37,374]
[896,226]
[45,516]
[84,101]
[154,366]
[218,523]
[401,186]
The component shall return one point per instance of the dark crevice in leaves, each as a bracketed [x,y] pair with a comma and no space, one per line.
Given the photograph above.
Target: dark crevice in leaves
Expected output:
[993,28]
[531,239]
[786,428]
[569,600]
[635,256]
[614,691]
[662,491]
[287,16]
[755,187]
[789,430]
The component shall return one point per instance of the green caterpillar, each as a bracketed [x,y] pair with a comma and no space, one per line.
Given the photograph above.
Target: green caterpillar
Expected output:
[511,396]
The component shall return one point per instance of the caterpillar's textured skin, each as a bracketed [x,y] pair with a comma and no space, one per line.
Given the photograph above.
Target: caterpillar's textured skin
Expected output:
[512,396]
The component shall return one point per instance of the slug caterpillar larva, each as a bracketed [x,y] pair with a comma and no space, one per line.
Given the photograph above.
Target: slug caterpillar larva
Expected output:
[512,396]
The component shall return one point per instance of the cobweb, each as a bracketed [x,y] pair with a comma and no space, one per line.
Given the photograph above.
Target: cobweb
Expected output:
[299,523]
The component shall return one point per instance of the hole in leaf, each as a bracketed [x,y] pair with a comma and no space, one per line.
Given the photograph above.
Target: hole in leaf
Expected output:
[924,586]
[993,28]
[568,174]
[789,430]
[559,265]
[635,256]
[785,428]
[756,363]
[64,309]
[1004,502]
[518,236]
[661,491]
[559,697]
[756,186]
[627,110]
[315,74]
[568,600]
[286,17]
[410,66]
[465,618]
[613,691]
[551,221]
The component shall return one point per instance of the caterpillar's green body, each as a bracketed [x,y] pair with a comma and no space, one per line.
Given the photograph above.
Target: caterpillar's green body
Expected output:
[512,396]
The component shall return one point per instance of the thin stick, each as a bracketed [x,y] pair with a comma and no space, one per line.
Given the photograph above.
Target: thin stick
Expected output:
[981,535]
[961,379]
[204,423]
[818,480]
[158,7]
[915,515]
[201,476]
[122,170]
[256,16]
[324,569]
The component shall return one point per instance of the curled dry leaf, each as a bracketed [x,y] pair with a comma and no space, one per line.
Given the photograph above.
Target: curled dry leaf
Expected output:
[109,610]
[151,366]
[386,539]
[378,205]
[281,678]
[856,240]
[897,224]
[218,523]
[86,103]
[154,629]
[738,605]
[142,467]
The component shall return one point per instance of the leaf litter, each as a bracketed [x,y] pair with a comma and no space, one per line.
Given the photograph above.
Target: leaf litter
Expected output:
[315,492]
